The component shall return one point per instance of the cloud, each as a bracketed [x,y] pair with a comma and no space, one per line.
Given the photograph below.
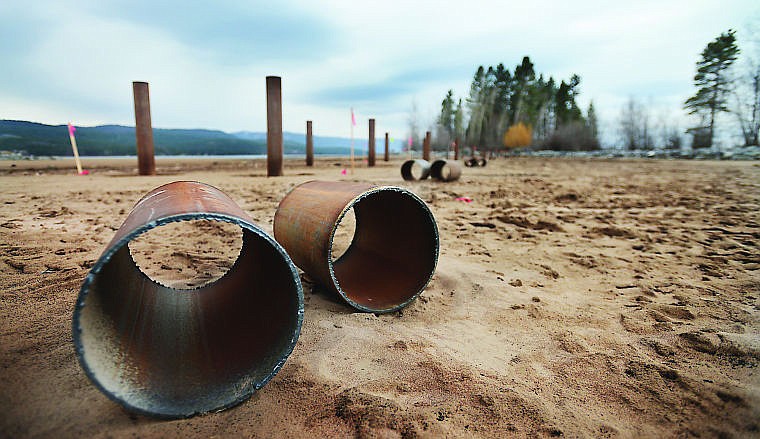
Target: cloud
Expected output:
[389,89]
[232,32]
[206,62]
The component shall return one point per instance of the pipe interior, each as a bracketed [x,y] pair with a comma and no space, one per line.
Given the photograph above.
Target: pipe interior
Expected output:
[175,353]
[393,252]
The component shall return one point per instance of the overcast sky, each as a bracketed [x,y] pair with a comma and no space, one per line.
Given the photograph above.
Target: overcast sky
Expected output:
[206,62]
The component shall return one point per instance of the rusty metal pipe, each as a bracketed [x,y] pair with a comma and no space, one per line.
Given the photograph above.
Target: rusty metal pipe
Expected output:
[274,126]
[385,157]
[309,145]
[393,253]
[146,162]
[426,146]
[445,170]
[173,353]
[371,144]
[408,167]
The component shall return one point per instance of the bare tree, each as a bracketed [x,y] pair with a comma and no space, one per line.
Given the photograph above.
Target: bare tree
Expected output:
[635,128]
[669,134]
[746,106]
[746,93]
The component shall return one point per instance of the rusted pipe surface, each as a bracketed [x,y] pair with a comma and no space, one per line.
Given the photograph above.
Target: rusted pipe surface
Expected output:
[393,253]
[445,170]
[407,169]
[176,353]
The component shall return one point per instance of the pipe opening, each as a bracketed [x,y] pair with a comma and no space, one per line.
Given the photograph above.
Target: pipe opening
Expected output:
[174,353]
[393,252]
[187,255]
[415,170]
[345,230]
[444,173]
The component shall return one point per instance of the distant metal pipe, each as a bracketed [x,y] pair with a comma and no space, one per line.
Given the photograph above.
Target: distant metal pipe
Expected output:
[408,167]
[309,145]
[146,161]
[386,157]
[393,253]
[426,146]
[445,170]
[177,353]
[274,126]
[371,144]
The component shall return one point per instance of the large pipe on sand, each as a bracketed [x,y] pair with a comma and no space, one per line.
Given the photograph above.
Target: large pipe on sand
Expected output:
[445,170]
[394,250]
[174,353]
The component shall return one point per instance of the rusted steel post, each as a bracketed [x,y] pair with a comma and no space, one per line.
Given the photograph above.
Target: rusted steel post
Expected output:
[386,158]
[393,253]
[456,149]
[177,353]
[274,126]
[445,170]
[371,144]
[426,147]
[408,168]
[146,162]
[309,145]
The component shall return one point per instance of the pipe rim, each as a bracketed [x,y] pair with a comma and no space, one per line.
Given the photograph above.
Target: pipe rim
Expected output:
[112,249]
[345,210]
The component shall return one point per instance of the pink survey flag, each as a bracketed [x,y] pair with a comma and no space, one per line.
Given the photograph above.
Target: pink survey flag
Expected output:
[410,142]
[75,150]
[353,119]
[343,172]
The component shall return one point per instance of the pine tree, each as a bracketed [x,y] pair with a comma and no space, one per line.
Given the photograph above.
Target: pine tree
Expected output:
[712,84]
[446,119]
[592,123]
[459,121]
[474,104]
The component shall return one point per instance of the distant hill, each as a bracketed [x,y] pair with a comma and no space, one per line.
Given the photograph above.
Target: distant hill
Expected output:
[40,139]
[322,145]
[49,140]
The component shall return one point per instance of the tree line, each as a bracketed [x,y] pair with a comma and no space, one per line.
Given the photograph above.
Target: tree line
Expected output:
[521,107]
[522,100]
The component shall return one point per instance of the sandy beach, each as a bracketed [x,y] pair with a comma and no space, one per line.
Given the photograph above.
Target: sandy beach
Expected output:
[575,298]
